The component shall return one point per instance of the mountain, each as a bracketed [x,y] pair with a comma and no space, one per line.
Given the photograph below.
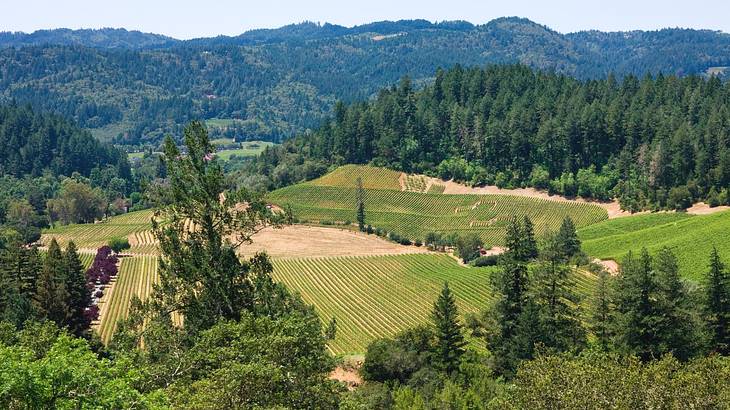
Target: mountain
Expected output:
[102,38]
[272,84]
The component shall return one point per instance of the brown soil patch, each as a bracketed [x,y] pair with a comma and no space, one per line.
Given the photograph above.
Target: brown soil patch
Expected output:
[613,208]
[298,241]
[702,208]
[610,265]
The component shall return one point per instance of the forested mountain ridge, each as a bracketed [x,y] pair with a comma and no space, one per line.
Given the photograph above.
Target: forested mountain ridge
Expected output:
[277,83]
[102,38]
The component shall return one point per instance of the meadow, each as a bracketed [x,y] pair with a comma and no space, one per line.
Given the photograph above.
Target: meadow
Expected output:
[246,149]
[690,237]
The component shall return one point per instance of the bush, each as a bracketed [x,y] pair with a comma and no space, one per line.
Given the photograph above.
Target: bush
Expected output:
[326,223]
[119,244]
[482,261]
[469,247]
[680,198]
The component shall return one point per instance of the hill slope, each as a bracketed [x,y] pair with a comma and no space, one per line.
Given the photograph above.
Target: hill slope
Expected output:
[690,237]
[332,199]
[279,82]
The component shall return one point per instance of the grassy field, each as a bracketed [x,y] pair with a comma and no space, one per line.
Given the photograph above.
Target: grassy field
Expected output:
[690,237]
[248,149]
[415,214]
[91,236]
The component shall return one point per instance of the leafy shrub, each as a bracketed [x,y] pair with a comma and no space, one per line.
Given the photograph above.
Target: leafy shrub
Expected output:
[118,244]
[482,261]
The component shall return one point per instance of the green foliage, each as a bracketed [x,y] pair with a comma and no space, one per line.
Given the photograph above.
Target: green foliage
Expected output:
[550,382]
[651,316]
[717,304]
[469,247]
[449,341]
[119,244]
[77,202]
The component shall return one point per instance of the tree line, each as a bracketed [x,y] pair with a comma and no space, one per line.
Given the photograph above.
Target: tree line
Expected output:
[658,142]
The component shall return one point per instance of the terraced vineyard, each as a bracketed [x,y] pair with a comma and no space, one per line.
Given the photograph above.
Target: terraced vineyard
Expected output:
[690,237]
[380,295]
[372,178]
[92,236]
[136,277]
[415,214]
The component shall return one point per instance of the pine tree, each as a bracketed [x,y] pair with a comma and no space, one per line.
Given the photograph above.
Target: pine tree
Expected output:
[360,205]
[601,311]
[79,297]
[638,317]
[568,238]
[450,342]
[717,304]
[554,295]
[515,242]
[511,285]
[528,238]
[678,328]
[51,295]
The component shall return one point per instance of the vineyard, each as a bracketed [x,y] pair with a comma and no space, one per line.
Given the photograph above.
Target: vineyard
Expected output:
[415,214]
[370,297]
[136,277]
[92,236]
[691,238]
[372,178]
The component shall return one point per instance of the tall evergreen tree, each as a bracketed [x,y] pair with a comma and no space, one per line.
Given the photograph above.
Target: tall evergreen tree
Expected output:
[515,241]
[717,304]
[638,317]
[553,292]
[51,296]
[600,315]
[679,329]
[79,296]
[528,238]
[360,203]
[449,340]
[510,284]
[568,238]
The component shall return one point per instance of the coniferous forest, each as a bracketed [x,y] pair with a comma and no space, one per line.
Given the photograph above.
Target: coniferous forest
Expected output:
[652,142]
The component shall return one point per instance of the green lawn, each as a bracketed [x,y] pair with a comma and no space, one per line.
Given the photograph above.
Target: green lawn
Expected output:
[690,237]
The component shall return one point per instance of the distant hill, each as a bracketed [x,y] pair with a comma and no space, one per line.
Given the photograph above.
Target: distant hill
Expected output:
[102,38]
[134,87]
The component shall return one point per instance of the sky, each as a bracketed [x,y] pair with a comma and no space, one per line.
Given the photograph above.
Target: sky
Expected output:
[186,19]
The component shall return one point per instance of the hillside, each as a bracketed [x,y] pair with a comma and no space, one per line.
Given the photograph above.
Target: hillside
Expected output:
[690,237]
[134,87]
[414,213]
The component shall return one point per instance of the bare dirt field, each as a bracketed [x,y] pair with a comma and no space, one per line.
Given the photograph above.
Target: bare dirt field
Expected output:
[701,208]
[613,208]
[297,241]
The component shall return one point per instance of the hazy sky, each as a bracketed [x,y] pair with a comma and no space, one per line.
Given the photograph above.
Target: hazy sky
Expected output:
[186,19]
